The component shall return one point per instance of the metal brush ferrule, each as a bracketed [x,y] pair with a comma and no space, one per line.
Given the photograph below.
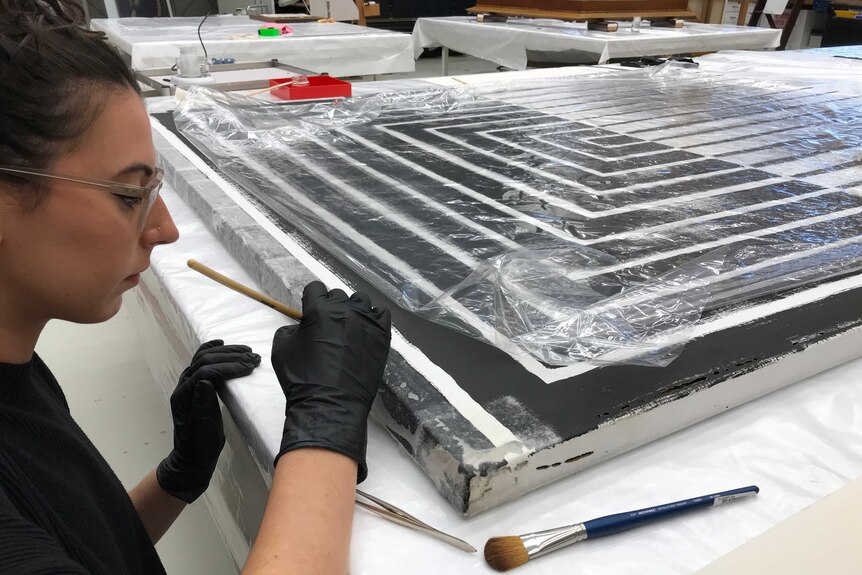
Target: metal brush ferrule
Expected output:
[543,542]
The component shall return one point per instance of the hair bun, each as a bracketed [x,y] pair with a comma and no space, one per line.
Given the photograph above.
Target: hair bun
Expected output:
[49,13]
[56,76]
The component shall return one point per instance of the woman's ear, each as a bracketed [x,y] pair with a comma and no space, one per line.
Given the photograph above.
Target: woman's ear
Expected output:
[4,211]
[9,208]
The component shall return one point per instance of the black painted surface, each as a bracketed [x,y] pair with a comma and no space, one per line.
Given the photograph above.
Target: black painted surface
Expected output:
[577,405]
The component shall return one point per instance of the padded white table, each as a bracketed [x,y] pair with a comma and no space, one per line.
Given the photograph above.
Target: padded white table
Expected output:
[798,444]
[337,49]
[512,44]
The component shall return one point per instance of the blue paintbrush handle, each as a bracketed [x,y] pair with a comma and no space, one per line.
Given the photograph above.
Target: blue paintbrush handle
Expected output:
[611,524]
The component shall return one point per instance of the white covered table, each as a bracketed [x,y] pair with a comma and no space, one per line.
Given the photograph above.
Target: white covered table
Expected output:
[512,44]
[798,444]
[337,49]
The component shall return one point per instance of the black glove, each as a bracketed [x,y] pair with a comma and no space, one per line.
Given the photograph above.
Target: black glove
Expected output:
[198,432]
[329,367]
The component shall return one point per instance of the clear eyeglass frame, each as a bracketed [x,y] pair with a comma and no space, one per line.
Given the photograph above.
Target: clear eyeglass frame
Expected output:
[148,194]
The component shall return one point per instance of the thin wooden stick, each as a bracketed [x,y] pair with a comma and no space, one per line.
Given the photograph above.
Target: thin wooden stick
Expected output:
[244,290]
[273,87]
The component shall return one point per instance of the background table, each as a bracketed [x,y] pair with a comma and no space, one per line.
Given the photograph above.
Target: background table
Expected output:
[337,49]
[512,44]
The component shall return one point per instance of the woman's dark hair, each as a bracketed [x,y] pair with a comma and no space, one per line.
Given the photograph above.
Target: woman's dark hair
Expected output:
[55,78]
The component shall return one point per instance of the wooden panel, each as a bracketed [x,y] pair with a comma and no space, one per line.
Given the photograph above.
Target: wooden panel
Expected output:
[575,15]
[423,8]
[599,5]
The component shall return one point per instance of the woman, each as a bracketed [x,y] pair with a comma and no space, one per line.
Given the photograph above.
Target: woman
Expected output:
[79,217]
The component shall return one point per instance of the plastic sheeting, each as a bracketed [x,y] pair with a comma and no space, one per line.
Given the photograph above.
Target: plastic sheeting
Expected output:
[837,69]
[510,44]
[798,444]
[540,283]
[337,49]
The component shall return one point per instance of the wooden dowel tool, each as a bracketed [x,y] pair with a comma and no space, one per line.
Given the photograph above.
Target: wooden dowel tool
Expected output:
[245,290]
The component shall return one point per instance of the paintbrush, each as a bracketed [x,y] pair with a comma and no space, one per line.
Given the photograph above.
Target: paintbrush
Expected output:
[385,510]
[504,553]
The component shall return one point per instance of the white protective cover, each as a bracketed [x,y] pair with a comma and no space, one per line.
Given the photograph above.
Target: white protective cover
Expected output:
[508,44]
[798,444]
[337,49]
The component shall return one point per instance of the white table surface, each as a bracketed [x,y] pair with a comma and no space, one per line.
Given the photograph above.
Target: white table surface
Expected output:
[338,49]
[798,444]
[508,44]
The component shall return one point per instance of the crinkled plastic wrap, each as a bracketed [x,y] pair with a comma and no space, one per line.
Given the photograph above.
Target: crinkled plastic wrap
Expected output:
[526,272]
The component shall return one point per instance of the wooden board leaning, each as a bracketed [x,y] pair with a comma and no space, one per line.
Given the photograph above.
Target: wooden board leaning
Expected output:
[585,9]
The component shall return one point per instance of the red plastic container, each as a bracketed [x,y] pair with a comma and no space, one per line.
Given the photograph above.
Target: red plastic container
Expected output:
[318,87]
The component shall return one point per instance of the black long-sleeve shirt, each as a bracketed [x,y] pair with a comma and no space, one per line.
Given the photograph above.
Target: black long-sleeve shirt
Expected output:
[62,508]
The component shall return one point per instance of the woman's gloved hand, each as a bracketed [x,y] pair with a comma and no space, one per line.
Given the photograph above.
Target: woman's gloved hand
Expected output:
[330,367]
[198,431]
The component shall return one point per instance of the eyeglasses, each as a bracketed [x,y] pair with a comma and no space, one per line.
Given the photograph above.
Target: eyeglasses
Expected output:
[147,194]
